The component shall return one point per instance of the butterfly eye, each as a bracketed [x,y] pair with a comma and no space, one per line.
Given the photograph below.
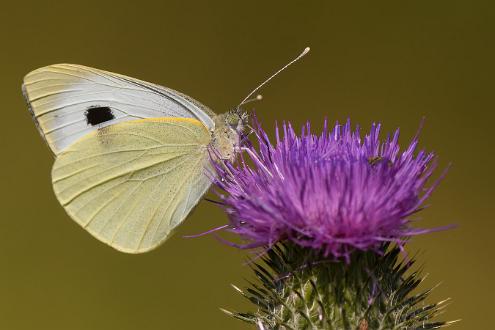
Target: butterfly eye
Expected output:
[98,115]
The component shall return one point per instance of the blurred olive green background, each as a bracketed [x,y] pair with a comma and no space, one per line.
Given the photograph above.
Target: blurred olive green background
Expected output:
[392,61]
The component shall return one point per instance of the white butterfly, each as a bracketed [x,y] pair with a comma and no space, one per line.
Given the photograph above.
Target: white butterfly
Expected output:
[131,156]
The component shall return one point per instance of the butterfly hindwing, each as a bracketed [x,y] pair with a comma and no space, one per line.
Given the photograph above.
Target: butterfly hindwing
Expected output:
[130,184]
[68,101]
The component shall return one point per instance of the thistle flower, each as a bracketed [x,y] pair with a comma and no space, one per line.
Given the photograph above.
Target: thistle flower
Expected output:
[334,192]
[309,197]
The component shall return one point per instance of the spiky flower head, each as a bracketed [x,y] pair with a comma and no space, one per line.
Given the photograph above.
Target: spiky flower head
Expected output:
[334,192]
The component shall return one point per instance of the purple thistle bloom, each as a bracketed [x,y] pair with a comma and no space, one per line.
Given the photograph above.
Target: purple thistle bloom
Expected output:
[335,191]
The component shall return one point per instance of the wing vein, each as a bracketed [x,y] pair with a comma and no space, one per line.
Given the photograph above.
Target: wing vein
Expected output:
[93,216]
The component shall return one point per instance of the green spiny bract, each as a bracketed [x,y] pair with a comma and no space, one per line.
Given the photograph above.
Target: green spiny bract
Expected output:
[297,288]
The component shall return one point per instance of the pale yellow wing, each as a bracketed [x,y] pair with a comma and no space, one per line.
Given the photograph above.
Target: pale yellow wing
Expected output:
[130,184]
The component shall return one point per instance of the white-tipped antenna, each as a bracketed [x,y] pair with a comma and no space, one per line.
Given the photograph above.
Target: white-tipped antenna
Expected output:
[259,97]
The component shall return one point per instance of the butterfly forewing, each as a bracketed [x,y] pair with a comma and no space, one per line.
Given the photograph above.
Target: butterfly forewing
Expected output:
[130,184]
[68,101]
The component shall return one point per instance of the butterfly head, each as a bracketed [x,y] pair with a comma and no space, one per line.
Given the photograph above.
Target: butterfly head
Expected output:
[236,119]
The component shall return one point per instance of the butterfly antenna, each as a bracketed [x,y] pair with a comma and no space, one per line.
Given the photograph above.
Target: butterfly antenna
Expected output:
[258,97]
[246,99]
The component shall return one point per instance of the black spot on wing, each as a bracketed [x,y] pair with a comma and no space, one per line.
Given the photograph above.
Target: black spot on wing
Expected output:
[97,115]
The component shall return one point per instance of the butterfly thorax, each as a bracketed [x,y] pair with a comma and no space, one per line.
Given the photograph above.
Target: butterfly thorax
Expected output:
[227,134]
